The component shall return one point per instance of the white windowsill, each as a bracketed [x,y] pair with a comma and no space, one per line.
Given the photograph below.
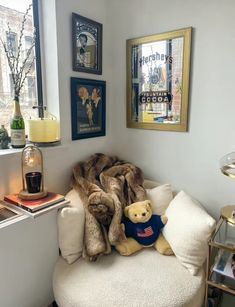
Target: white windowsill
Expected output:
[10,151]
[14,151]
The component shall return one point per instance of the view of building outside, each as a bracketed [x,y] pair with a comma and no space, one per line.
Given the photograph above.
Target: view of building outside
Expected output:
[12,14]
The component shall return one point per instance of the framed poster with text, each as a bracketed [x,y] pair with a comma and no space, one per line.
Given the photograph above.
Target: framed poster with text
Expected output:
[87,108]
[87,45]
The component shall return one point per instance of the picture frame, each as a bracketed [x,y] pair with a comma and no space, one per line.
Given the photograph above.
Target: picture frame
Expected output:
[158,71]
[88,108]
[86,45]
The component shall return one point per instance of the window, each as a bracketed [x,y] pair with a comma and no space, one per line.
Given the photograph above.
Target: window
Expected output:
[12,41]
[12,12]
[28,42]
[31,88]
[11,85]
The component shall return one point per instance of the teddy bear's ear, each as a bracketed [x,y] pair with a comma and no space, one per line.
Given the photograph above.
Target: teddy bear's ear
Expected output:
[126,211]
[148,204]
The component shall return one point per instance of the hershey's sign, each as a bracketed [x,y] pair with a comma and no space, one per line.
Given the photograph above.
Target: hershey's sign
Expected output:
[156,97]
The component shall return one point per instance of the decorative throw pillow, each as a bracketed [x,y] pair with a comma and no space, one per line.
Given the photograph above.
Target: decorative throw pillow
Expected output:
[160,197]
[188,229]
[71,222]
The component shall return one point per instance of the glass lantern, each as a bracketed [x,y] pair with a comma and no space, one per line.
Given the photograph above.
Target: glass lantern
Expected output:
[32,174]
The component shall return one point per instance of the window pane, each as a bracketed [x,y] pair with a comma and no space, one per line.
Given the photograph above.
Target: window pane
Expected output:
[11,12]
[11,38]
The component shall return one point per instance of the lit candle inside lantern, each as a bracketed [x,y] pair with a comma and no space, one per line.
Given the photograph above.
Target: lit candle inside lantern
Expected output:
[43,130]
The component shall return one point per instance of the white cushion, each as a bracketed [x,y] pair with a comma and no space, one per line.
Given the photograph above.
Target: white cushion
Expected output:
[160,198]
[144,279]
[70,223]
[188,229]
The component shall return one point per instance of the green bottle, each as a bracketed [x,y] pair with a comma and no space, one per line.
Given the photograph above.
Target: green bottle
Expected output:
[17,127]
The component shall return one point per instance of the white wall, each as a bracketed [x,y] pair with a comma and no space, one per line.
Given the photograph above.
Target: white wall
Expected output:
[95,10]
[188,160]
[28,255]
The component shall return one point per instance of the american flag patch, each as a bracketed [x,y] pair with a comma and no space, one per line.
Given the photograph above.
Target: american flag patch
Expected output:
[143,233]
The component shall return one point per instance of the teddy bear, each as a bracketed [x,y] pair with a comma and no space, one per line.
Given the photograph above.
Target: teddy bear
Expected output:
[143,229]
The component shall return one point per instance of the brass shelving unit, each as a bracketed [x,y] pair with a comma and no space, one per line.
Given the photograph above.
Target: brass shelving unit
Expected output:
[223,239]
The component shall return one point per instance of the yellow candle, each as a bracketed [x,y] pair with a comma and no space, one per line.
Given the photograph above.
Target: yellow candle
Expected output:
[43,130]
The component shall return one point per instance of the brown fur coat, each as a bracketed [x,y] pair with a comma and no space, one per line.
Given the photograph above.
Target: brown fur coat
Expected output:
[106,185]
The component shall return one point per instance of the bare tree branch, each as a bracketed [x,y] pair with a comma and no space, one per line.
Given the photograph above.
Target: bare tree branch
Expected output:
[26,74]
[8,59]
[17,67]
[26,60]
[21,34]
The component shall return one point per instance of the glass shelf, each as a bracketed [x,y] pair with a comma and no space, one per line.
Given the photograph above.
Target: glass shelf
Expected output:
[7,214]
[222,282]
[220,263]
[224,236]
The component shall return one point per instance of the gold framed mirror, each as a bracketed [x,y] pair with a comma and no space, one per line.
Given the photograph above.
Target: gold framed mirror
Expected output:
[158,68]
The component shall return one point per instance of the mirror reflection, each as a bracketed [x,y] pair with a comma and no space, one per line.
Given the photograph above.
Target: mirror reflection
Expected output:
[157,81]
[158,72]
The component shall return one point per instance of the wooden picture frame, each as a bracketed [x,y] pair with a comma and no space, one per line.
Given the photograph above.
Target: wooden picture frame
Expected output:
[158,71]
[86,45]
[88,108]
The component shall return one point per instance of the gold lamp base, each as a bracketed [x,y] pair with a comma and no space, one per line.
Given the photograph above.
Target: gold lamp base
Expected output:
[228,213]
[24,194]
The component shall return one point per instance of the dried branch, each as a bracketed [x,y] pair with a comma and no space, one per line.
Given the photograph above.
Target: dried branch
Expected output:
[19,68]
[8,59]
[22,33]
[24,63]
[26,74]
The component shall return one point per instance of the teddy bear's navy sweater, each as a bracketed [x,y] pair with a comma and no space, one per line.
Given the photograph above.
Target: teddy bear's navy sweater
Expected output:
[144,233]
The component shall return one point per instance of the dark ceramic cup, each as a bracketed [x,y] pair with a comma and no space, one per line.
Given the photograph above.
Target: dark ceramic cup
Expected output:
[33,182]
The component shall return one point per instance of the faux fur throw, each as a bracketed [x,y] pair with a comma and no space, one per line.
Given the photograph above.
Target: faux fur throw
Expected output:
[106,185]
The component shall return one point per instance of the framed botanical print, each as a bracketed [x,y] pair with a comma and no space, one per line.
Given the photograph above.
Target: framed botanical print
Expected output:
[87,108]
[87,45]
[158,68]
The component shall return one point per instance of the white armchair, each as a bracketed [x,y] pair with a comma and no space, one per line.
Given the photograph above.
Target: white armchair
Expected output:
[144,279]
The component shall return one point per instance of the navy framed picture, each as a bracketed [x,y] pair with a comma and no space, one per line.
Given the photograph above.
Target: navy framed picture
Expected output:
[88,100]
[87,45]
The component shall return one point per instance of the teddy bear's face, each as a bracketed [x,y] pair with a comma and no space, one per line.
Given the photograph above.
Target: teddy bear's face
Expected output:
[139,212]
